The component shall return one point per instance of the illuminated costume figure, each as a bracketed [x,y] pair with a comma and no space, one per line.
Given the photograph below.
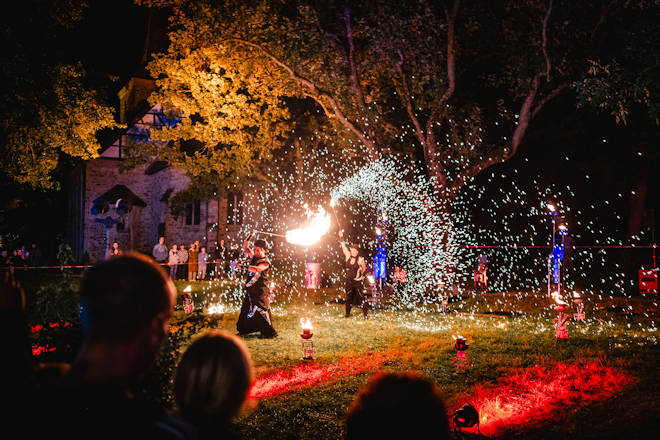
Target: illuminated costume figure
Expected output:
[255,313]
[355,269]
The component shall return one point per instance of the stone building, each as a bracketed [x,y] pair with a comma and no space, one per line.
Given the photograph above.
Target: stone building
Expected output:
[132,207]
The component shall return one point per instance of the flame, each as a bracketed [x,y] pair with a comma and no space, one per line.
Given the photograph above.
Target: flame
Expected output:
[310,234]
[216,309]
[188,289]
[306,323]
[558,299]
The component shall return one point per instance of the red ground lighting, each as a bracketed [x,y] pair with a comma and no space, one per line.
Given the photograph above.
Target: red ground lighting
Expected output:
[309,374]
[532,395]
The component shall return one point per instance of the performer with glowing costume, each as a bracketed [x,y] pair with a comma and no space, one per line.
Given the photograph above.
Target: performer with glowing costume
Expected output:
[355,269]
[255,313]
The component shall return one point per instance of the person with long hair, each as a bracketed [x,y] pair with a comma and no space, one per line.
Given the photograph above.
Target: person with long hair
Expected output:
[212,382]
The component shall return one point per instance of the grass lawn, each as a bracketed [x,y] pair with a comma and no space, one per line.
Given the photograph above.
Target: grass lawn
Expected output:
[601,383]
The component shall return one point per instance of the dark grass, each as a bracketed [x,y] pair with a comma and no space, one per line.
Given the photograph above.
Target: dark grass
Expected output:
[506,331]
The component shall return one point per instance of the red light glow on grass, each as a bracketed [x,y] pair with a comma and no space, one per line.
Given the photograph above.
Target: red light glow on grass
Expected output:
[532,395]
[305,375]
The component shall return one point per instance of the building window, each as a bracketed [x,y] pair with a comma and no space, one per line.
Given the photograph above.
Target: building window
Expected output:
[193,212]
[235,208]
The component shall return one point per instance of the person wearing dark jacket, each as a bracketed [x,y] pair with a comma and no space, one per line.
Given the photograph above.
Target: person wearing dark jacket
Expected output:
[255,315]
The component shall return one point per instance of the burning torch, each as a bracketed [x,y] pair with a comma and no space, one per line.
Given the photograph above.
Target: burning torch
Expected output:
[306,335]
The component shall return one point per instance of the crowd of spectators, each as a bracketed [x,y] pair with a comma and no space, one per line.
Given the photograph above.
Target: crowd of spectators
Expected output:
[126,304]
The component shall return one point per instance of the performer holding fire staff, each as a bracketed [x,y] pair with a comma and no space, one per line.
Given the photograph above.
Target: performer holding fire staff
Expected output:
[355,269]
[255,313]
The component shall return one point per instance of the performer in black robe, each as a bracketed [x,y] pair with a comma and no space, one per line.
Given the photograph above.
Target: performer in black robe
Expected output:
[355,269]
[255,313]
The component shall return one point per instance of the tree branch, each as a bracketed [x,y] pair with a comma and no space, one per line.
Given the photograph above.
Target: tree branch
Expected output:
[451,69]
[355,79]
[317,94]
[544,45]
[406,100]
[556,91]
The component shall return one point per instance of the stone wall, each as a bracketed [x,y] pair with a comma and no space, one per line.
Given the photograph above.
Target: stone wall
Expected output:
[141,224]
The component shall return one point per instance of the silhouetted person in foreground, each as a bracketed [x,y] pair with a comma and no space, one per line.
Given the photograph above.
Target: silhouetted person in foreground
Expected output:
[126,305]
[212,382]
[397,406]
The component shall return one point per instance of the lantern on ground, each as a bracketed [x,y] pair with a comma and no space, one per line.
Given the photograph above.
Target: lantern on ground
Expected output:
[307,344]
[561,321]
[375,293]
[466,416]
[215,313]
[462,362]
[579,316]
[188,304]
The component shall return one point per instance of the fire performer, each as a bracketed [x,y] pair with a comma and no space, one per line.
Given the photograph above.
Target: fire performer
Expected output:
[255,313]
[355,269]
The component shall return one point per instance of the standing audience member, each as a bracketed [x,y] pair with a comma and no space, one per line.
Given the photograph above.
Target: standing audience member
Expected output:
[126,304]
[202,260]
[35,255]
[173,261]
[212,382]
[233,256]
[160,251]
[193,253]
[115,251]
[183,262]
[396,406]
[221,262]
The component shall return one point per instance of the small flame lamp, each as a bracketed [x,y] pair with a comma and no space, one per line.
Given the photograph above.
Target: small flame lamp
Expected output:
[307,344]
[561,321]
[579,316]
[215,314]
[462,362]
[466,416]
[375,293]
[188,304]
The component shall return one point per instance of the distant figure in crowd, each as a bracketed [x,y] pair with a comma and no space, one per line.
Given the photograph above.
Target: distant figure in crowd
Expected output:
[35,255]
[396,406]
[173,261]
[193,252]
[126,305]
[211,383]
[355,269]
[202,260]
[223,258]
[160,251]
[255,313]
[183,262]
[233,257]
[115,251]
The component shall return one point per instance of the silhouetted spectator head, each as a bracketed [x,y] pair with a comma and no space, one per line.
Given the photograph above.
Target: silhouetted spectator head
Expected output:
[213,379]
[126,305]
[394,406]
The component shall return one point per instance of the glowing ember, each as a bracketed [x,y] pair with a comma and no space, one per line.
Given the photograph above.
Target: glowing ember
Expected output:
[310,234]
[216,309]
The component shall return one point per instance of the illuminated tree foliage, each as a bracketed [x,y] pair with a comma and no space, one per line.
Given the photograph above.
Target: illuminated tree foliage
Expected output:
[455,84]
[50,107]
